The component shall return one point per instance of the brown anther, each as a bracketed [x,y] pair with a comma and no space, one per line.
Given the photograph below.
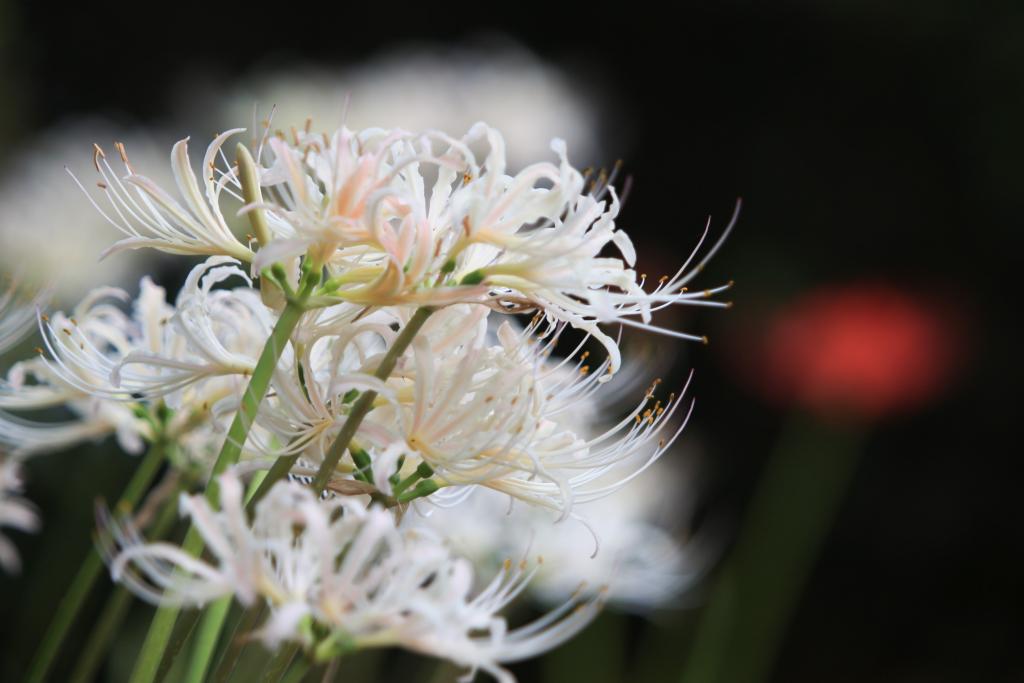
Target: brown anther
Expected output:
[39,350]
[73,322]
[67,331]
[309,124]
[97,154]
[45,318]
[100,184]
[585,355]
[585,369]
[488,399]
[507,564]
[662,279]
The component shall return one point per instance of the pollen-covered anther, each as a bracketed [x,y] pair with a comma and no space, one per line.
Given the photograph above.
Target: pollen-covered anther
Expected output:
[97,154]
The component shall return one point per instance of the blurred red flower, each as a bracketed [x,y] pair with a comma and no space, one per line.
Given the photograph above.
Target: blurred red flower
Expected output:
[864,350]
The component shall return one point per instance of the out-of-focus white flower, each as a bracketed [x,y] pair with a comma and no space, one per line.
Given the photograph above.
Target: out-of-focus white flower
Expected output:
[339,576]
[620,540]
[529,100]
[15,513]
[48,231]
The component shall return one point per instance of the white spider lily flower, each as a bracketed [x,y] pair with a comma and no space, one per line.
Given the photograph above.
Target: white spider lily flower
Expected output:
[337,358]
[502,416]
[15,513]
[151,217]
[532,240]
[338,576]
[160,349]
[536,238]
[60,240]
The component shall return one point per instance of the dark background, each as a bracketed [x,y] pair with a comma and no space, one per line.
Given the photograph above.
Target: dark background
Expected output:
[867,141]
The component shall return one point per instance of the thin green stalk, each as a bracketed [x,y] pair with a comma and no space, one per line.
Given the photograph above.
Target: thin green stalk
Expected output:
[181,632]
[237,642]
[206,639]
[297,672]
[160,629]
[212,621]
[279,664]
[788,520]
[365,401]
[116,608]
[280,469]
[82,584]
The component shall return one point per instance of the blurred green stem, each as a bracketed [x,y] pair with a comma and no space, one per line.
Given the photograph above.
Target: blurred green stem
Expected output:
[277,667]
[84,580]
[787,522]
[116,608]
[160,629]
[238,640]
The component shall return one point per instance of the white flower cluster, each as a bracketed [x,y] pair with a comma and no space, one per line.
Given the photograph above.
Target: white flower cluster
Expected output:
[378,363]
[16,317]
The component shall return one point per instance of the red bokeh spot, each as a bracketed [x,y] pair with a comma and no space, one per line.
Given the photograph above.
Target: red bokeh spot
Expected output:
[867,350]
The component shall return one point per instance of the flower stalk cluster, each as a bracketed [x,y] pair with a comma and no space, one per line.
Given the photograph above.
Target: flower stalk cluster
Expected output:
[353,364]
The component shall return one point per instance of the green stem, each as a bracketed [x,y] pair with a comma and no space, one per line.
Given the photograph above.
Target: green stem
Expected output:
[116,608]
[237,641]
[297,672]
[181,631]
[279,664]
[206,639]
[160,629]
[281,467]
[365,401]
[213,618]
[787,521]
[82,584]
